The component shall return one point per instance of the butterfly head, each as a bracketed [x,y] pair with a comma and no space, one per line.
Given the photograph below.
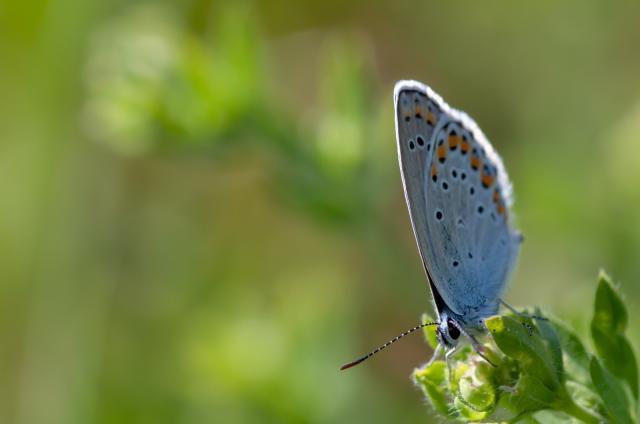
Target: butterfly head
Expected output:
[447,332]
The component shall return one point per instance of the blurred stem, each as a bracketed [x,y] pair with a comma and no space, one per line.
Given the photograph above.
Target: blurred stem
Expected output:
[573,409]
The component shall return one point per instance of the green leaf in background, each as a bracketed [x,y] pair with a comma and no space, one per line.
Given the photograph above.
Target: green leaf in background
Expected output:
[616,399]
[607,330]
[150,86]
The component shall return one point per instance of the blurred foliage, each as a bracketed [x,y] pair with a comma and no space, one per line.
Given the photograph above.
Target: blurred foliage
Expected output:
[153,86]
[155,89]
[530,373]
[201,213]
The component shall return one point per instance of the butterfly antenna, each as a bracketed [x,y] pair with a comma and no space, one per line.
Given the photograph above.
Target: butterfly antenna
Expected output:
[395,339]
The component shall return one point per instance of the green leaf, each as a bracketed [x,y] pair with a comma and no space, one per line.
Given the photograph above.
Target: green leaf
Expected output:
[609,307]
[586,397]
[615,397]
[530,394]
[552,417]
[432,380]
[552,341]
[534,354]
[607,330]
[576,356]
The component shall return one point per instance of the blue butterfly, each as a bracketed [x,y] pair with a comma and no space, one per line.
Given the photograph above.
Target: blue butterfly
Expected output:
[459,199]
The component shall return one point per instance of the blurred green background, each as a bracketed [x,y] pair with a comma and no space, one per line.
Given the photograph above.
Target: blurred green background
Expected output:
[201,212]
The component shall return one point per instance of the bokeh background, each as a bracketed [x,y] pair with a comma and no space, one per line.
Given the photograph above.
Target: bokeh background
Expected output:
[201,214]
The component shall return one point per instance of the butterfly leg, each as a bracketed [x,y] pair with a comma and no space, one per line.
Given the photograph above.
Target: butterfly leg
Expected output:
[436,353]
[523,315]
[475,344]
[479,349]
[447,357]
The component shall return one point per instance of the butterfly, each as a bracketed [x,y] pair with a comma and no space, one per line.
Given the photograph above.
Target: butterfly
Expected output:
[459,200]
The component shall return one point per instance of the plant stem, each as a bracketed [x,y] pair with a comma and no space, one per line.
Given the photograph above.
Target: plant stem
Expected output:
[571,408]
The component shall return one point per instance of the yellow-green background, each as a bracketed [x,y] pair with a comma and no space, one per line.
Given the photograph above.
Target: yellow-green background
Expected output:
[201,214]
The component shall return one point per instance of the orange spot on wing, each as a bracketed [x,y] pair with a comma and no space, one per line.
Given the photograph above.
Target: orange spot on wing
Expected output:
[475,162]
[442,153]
[453,141]
[487,180]
[501,209]
[464,146]
[496,195]
[434,171]
[431,118]
[418,111]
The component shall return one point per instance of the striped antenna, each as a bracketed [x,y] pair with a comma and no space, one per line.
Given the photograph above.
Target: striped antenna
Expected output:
[395,339]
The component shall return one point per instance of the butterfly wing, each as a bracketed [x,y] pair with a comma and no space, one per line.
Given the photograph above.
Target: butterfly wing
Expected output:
[459,199]
[417,111]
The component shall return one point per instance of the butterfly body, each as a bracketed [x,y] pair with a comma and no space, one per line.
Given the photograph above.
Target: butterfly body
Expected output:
[459,198]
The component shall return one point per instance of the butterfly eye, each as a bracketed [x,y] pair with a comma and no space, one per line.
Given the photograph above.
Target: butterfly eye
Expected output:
[454,333]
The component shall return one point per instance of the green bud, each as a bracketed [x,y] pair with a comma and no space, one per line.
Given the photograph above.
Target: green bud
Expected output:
[467,413]
[477,394]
